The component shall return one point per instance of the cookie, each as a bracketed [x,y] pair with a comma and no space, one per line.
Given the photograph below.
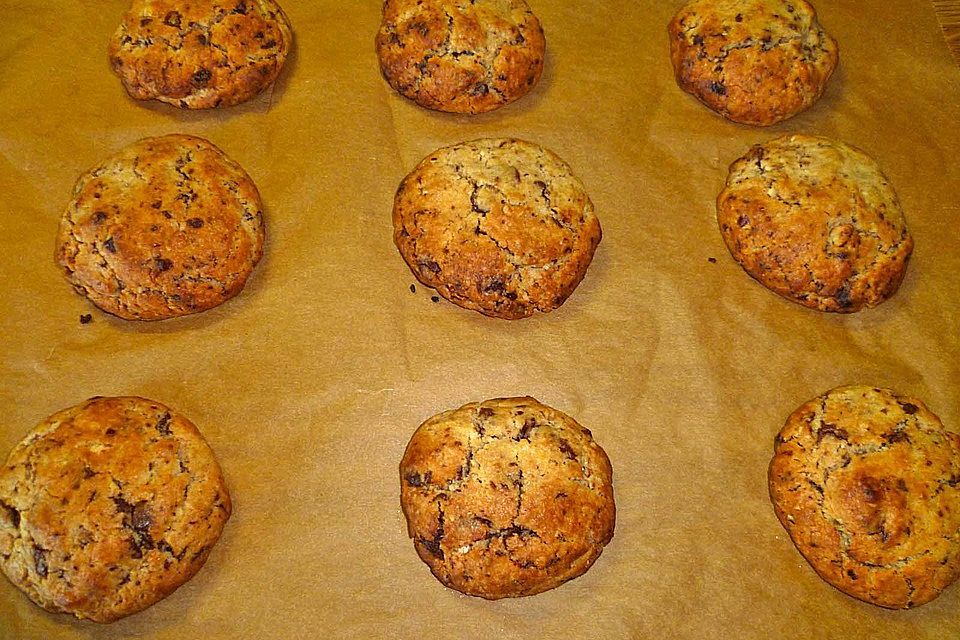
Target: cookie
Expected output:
[752,61]
[817,222]
[506,498]
[108,507]
[500,226]
[200,54]
[462,56]
[865,482]
[166,227]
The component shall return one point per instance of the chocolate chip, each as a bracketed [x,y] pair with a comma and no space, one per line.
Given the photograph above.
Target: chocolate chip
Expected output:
[140,519]
[902,485]
[145,21]
[480,89]
[40,561]
[269,44]
[909,408]
[494,286]
[843,296]
[827,429]
[414,479]
[13,514]
[433,546]
[163,264]
[201,77]
[567,450]
[172,19]
[201,38]
[718,88]
[698,40]
[98,217]
[194,223]
[743,221]
[485,412]
[163,424]
[850,572]
[528,425]
[241,8]
[86,318]
[109,245]
[739,17]
[429,265]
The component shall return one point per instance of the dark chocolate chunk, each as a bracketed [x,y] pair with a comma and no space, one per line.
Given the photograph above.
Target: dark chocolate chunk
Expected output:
[172,19]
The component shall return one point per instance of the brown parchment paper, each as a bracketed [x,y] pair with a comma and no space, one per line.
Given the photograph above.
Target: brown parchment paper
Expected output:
[309,384]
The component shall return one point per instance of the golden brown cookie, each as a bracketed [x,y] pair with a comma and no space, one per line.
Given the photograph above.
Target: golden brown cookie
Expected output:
[817,222]
[166,227]
[464,56]
[200,54]
[752,61]
[108,507]
[506,498]
[500,226]
[865,482]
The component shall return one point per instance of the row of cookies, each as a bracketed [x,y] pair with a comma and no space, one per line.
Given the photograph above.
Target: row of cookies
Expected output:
[462,177]
[109,506]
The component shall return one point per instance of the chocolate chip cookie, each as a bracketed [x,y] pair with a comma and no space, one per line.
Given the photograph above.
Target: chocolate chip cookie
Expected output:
[108,507]
[752,61]
[817,222]
[200,54]
[866,483]
[463,56]
[506,498]
[166,227]
[500,226]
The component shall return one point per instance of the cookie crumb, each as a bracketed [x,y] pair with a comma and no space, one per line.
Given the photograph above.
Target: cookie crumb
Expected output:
[712,260]
[434,298]
[86,318]
[413,288]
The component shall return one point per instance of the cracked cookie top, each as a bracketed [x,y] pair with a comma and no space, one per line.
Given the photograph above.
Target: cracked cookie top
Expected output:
[506,498]
[500,226]
[166,227]
[752,61]
[866,483]
[817,222]
[462,56]
[200,54]
[108,507]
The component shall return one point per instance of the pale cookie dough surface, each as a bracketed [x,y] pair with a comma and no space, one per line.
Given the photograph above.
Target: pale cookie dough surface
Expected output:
[817,222]
[866,483]
[506,498]
[166,227]
[500,226]
[108,507]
